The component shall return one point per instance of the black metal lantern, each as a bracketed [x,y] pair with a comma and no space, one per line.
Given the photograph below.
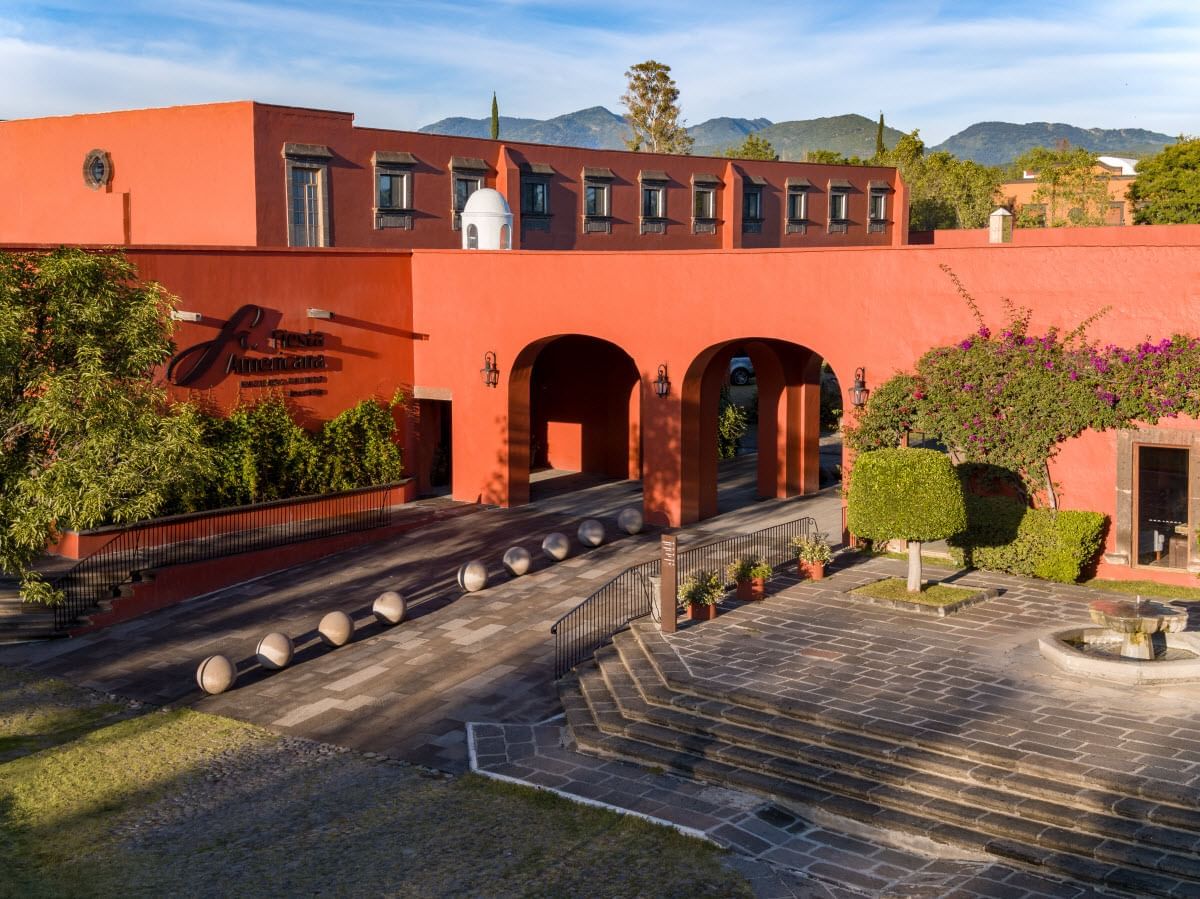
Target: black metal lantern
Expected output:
[490,370]
[859,392]
[662,384]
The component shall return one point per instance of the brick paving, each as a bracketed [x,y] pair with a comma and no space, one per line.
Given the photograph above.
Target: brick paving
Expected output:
[405,692]
[782,852]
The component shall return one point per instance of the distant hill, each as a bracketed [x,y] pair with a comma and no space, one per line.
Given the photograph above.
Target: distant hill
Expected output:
[719,134]
[596,128]
[992,143]
[999,143]
[850,135]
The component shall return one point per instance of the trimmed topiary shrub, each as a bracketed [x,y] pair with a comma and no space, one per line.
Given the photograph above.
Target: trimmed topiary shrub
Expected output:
[1003,534]
[909,494]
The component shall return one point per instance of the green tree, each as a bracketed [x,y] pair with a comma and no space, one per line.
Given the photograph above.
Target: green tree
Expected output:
[944,191]
[907,494]
[1070,188]
[495,118]
[652,110]
[1167,189]
[828,157]
[753,147]
[880,149]
[86,435]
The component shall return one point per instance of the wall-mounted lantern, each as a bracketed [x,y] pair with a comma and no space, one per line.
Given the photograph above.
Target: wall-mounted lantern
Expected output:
[319,313]
[662,384]
[179,315]
[490,370]
[859,392]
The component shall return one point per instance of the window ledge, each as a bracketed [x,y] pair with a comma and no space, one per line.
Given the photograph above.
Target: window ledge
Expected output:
[839,227]
[597,224]
[393,218]
[797,226]
[704,226]
[752,226]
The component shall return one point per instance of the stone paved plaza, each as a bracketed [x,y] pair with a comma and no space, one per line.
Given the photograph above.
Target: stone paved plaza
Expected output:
[972,682]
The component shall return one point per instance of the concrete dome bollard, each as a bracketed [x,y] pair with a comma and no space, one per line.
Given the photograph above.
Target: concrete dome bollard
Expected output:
[336,629]
[591,532]
[389,608]
[275,651]
[216,674]
[517,561]
[631,520]
[556,546]
[472,576]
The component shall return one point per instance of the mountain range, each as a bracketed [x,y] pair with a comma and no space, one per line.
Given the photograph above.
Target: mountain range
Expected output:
[990,143]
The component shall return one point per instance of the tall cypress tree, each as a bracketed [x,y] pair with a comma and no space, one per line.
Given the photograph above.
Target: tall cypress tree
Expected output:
[880,149]
[496,118]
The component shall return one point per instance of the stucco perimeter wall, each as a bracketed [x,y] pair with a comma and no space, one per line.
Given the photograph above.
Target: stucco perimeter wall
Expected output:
[181,175]
[367,345]
[875,307]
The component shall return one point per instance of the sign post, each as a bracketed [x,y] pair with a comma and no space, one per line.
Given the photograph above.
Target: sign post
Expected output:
[669,588]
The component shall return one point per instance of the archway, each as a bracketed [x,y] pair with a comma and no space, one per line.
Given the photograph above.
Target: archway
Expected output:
[574,407]
[788,380]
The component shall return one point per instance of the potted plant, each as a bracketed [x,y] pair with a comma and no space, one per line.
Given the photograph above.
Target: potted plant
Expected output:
[751,574]
[813,553]
[700,592]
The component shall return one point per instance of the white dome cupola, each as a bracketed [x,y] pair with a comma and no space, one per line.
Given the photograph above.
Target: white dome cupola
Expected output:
[487,221]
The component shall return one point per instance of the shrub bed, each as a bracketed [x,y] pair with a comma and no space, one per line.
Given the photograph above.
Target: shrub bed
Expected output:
[1005,535]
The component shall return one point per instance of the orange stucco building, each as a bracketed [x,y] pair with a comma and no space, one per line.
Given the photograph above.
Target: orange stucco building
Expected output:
[609,346]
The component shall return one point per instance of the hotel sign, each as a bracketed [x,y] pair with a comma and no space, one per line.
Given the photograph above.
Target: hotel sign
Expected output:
[244,346]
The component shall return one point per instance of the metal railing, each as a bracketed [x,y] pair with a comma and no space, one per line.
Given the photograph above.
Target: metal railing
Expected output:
[202,536]
[631,594]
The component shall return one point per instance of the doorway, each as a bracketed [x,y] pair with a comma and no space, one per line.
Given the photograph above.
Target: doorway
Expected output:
[1161,515]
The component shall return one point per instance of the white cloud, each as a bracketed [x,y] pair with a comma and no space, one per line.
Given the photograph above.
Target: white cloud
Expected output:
[403,65]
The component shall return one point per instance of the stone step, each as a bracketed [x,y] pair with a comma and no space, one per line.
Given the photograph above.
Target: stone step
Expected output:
[1056,825]
[1158,799]
[591,737]
[1012,791]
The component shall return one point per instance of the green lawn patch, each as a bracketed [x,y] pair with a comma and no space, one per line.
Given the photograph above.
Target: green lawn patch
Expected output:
[896,589]
[184,803]
[932,561]
[1144,588]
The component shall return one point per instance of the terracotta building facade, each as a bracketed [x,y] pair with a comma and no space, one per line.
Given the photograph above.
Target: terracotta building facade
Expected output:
[605,353]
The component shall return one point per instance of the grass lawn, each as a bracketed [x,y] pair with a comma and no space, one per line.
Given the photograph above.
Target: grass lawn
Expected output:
[930,595]
[1144,588]
[183,803]
[932,561]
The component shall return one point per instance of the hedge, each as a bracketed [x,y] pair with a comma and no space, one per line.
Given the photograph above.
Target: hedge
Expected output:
[1003,534]
[910,494]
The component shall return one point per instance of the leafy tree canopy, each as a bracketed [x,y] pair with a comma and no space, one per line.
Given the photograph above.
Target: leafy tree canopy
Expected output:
[1071,188]
[86,437]
[753,147]
[652,109]
[944,191]
[1167,189]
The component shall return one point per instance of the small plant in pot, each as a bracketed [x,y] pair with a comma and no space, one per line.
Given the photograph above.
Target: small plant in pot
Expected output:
[813,553]
[701,592]
[751,574]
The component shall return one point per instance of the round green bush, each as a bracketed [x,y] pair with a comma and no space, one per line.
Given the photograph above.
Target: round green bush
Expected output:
[909,494]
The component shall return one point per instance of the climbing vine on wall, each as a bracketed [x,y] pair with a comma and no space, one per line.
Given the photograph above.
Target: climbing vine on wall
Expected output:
[1008,397]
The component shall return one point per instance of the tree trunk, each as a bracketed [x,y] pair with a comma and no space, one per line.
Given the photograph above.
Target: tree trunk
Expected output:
[914,566]
[1051,496]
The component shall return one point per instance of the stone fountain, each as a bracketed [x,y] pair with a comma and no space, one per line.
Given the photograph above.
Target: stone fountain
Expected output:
[1135,642]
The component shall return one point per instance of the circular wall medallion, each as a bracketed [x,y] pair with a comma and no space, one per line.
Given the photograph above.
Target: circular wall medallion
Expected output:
[97,169]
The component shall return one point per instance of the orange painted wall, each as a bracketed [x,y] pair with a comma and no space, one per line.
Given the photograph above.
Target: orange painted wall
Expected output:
[369,341]
[185,172]
[352,188]
[878,307]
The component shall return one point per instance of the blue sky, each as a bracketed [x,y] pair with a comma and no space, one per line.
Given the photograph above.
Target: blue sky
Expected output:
[937,66]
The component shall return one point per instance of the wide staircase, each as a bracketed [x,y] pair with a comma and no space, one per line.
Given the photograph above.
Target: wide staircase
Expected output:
[637,702]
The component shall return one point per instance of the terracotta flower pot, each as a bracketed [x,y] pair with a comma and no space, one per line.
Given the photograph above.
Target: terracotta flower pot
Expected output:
[697,612]
[812,570]
[751,589]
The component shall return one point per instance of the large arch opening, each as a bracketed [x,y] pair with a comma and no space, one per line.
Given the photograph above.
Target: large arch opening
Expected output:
[574,416]
[780,384]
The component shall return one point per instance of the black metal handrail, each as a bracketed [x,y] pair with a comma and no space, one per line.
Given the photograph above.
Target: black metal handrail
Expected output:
[202,536]
[629,596]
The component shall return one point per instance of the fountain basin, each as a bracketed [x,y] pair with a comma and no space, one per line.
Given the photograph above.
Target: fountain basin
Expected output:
[1137,623]
[1097,652]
